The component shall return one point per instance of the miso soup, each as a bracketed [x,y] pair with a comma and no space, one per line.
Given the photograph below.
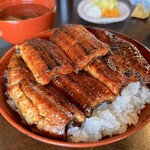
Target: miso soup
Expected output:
[23,12]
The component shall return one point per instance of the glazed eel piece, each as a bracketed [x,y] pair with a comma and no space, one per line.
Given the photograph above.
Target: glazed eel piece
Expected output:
[17,70]
[44,108]
[44,59]
[84,91]
[127,59]
[81,46]
[123,64]
[51,93]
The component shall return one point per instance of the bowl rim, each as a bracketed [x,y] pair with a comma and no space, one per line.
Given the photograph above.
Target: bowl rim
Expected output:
[72,144]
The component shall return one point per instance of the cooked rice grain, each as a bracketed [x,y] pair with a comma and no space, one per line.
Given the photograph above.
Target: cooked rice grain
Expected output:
[112,119]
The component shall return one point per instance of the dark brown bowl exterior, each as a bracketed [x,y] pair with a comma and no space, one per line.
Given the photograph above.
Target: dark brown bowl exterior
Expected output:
[13,118]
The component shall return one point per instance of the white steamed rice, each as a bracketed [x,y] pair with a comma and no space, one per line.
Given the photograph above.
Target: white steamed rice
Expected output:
[112,119]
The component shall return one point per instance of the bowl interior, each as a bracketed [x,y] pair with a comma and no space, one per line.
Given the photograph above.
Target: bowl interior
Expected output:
[13,118]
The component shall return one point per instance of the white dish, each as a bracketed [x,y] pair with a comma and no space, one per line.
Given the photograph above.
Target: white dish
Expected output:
[124,13]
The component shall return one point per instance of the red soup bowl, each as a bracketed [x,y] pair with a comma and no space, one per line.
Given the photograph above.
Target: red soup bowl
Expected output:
[13,118]
[33,16]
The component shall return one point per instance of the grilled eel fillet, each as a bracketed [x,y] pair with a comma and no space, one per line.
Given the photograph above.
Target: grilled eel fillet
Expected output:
[123,64]
[127,59]
[81,46]
[44,108]
[44,59]
[84,91]
[101,71]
